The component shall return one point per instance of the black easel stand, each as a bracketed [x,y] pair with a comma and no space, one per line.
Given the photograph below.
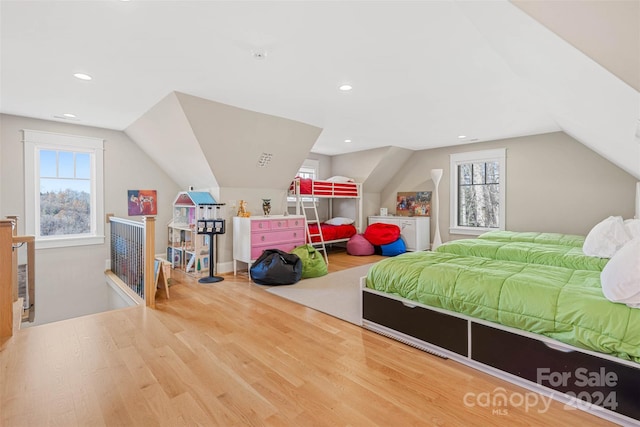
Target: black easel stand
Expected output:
[211,227]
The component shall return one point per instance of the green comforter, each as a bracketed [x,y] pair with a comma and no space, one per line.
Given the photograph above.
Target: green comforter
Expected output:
[558,302]
[534,253]
[534,237]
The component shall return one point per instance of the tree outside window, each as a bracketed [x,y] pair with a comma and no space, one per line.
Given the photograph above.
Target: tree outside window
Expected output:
[65,193]
[477,203]
[64,189]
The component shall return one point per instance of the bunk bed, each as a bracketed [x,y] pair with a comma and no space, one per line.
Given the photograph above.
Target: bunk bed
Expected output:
[525,307]
[327,232]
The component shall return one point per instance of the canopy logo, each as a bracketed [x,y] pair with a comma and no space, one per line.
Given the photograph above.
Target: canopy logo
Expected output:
[591,389]
[499,401]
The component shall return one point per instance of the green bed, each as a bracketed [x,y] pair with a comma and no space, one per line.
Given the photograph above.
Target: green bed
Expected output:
[571,240]
[545,286]
[533,253]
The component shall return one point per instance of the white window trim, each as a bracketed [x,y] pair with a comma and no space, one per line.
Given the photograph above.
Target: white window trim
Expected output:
[309,164]
[33,141]
[456,159]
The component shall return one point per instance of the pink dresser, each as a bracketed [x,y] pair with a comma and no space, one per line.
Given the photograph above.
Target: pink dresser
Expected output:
[253,235]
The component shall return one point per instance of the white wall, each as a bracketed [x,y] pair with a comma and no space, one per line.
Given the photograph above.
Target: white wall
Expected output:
[253,196]
[70,281]
[554,184]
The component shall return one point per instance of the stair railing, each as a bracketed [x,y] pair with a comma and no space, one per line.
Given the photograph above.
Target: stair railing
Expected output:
[10,312]
[132,256]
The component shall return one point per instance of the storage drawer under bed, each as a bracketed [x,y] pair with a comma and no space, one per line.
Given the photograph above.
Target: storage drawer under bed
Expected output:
[442,330]
[603,382]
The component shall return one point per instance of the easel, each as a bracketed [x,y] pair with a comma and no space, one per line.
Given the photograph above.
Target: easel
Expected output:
[161,275]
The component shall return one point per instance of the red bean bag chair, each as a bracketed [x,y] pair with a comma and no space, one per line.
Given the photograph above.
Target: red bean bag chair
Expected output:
[359,246]
[382,234]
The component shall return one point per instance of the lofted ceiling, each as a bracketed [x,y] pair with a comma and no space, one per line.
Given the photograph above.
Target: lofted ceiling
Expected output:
[423,73]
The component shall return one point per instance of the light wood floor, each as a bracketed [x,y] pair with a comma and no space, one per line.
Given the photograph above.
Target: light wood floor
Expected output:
[231,354]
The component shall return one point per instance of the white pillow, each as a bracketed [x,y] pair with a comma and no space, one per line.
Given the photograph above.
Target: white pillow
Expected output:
[339,178]
[633,227]
[620,278]
[339,221]
[606,237]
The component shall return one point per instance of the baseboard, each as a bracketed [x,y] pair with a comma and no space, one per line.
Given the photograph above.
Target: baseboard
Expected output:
[224,267]
[17,314]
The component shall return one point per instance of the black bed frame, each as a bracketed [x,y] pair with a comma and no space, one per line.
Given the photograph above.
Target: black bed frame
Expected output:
[598,383]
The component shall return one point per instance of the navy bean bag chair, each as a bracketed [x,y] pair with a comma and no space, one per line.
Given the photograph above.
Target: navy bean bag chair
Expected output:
[395,248]
[276,267]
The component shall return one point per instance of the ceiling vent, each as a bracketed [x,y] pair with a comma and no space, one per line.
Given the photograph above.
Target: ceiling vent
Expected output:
[264,160]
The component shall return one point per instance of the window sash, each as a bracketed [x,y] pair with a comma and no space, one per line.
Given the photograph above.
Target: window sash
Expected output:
[473,177]
[58,177]
[310,169]
[34,143]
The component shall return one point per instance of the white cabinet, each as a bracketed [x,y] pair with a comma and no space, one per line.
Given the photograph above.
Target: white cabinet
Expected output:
[414,230]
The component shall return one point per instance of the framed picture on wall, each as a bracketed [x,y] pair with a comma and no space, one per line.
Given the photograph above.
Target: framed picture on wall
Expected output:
[142,202]
[413,203]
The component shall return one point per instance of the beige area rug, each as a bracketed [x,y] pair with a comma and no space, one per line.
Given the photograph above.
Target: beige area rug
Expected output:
[337,294]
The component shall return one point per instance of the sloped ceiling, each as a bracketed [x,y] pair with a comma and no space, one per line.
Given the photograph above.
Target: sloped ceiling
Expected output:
[584,99]
[373,168]
[423,72]
[606,31]
[206,144]
[165,134]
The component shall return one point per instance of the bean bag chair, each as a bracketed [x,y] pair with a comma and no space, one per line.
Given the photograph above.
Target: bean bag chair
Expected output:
[313,264]
[382,234]
[276,267]
[359,246]
[392,249]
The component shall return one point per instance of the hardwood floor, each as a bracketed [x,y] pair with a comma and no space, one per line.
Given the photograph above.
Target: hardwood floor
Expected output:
[231,354]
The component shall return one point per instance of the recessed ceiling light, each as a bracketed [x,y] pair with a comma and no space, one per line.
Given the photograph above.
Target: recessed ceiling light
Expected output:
[462,136]
[259,54]
[82,76]
[66,116]
[347,140]
[345,87]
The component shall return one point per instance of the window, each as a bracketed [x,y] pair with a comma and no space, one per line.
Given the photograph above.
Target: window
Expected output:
[310,169]
[63,189]
[478,191]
